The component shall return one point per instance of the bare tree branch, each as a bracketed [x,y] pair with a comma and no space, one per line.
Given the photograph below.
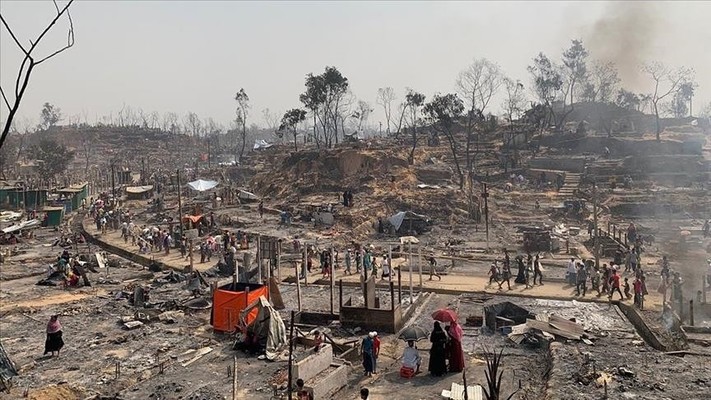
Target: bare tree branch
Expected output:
[28,62]
[12,34]
[70,36]
[7,103]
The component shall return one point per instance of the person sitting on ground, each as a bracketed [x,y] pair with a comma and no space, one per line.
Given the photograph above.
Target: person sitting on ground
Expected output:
[318,341]
[411,358]
[303,392]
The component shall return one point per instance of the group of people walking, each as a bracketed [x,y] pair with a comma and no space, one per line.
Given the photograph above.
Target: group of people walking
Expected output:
[500,271]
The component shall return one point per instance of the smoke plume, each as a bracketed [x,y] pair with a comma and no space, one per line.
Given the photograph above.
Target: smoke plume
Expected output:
[625,35]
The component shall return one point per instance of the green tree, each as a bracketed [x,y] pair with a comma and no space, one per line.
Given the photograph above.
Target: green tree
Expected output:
[242,112]
[627,100]
[444,113]
[53,158]
[414,102]
[547,83]
[291,119]
[314,99]
[49,116]
[324,98]
[574,71]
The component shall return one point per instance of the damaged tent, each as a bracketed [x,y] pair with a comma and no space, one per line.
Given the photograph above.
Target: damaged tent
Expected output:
[202,185]
[405,222]
[229,300]
[267,328]
[7,370]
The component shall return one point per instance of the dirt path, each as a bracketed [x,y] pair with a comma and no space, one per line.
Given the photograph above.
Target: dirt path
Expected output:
[53,299]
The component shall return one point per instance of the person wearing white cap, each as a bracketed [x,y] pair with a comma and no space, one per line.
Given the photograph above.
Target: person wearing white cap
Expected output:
[366,350]
[376,350]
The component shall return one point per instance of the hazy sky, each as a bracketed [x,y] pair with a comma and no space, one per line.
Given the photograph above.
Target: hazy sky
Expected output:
[186,56]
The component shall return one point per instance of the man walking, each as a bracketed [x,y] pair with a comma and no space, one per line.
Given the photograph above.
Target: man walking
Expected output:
[537,272]
[581,278]
[615,285]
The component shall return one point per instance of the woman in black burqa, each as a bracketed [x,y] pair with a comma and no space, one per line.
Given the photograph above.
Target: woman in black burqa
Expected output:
[54,341]
[438,355]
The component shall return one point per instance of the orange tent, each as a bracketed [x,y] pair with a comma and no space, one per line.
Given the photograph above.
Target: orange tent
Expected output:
[229,300]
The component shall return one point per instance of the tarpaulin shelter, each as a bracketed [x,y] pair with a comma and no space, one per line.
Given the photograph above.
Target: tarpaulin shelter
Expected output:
[260,144]
[139,192]
[229,300]
[268,327]
[408,221]
[202,185]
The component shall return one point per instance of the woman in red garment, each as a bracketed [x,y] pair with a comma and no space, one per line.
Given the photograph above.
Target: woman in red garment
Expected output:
[456,355]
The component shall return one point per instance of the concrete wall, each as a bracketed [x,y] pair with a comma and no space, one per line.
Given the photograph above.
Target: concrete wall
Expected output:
[331,383]
[570,164]
[371,319]
[313,364]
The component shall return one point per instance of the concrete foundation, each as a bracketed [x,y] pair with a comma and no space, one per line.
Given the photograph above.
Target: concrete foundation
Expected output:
[331,380]
[313,364]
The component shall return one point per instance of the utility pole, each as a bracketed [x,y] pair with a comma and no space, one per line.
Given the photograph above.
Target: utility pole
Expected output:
[291,353]
[485,195]
[596,240]
[180,207]
[113,183]
[209,156]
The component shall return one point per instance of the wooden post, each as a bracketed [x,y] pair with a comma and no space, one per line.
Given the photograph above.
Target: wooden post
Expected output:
[291,354]
[691,312]
[332,281]
[681,308]
[278,266]
[399,287]
[259,258]
[340,295]
[419,264]
[409,250]
[180,207]
[298,286]
[190,243]
[392,296]
[234,378]
[390,262]
[703,287]
[305,263]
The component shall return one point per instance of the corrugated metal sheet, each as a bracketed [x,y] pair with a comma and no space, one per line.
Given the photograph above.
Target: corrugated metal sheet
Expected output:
[474,392]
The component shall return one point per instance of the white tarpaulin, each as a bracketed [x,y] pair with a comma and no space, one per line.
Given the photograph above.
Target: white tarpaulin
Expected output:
[261,144]
[396,220]
[268,325]
[245,195]
[31,224]
[202,185]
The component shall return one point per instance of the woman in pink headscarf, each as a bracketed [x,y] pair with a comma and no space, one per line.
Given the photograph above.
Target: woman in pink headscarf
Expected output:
[455,354]
[54,341]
